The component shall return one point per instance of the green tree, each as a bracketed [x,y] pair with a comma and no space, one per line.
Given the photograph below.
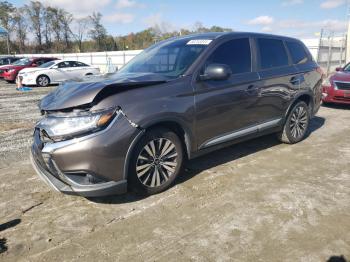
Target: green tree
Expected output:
[98,32]
[20,25]
[6,18]
[80,28]
[36,12]
[66,19]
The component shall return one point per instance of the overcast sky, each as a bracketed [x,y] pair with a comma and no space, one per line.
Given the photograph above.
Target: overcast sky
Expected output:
[298,18]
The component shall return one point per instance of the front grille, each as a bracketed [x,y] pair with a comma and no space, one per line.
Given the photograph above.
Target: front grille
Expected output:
[343,85]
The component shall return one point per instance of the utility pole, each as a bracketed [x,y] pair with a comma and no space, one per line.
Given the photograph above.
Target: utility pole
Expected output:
[330,51]
[348,34]
[342,41]
[8,43]
[319,47]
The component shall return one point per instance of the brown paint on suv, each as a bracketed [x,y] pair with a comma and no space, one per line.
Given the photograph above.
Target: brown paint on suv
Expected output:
[180,98]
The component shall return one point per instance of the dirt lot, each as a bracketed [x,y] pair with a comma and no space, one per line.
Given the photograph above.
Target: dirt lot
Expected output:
[256,201]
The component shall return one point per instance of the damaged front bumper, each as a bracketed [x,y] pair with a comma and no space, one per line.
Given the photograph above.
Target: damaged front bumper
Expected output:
[90,166]
[96,190]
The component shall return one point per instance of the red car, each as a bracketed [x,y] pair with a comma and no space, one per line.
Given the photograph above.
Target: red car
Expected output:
[11,71]
[336,89]
[5,61]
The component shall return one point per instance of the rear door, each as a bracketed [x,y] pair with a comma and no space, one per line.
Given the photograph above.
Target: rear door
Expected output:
[279,80]
[310,78]
[226,106]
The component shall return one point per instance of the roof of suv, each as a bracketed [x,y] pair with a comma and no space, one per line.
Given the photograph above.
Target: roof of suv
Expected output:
[216,35]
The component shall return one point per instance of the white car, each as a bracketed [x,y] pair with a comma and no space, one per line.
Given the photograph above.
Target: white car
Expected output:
[56,71]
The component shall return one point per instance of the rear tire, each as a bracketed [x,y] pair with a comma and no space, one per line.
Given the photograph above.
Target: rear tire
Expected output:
[43,81]
[296,125]
[156,162]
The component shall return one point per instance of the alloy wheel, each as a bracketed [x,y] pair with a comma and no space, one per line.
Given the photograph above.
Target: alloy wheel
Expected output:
[43,81]
[156,162]
[298,122]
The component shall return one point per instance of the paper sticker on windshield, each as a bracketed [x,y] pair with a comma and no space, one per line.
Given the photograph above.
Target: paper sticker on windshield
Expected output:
[199,42]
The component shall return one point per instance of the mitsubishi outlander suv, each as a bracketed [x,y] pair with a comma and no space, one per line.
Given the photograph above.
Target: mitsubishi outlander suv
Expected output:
[177,100]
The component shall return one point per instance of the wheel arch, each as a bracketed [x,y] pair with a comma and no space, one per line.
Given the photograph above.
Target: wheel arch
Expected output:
[173,125]
[179,129]
[306,97]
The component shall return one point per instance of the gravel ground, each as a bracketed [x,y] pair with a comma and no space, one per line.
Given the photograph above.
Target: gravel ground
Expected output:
[256,201]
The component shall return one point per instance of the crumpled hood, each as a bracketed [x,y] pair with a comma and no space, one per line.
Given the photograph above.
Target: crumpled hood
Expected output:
[75,94]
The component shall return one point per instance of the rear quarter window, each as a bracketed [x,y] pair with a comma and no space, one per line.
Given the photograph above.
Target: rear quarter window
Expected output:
[272,53]
[297,52]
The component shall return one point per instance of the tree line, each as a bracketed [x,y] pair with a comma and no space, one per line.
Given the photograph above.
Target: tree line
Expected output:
[55,30]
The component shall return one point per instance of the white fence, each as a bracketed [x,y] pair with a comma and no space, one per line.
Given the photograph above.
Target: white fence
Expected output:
[329,53]
[100,59]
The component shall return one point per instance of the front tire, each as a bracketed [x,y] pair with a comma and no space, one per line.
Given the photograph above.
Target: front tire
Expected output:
[156,162]
[43,81]
[296,125]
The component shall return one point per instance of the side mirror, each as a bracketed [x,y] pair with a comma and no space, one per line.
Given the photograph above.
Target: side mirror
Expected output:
[216,72]
[55,67]
[34,64]
[339,69]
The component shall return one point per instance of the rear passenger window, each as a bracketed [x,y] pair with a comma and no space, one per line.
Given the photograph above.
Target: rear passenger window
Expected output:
[235,53]
[80,64]
[298,53]
[272,53]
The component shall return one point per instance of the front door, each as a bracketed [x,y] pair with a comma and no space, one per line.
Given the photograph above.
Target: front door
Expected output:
[62,72]
[225,109]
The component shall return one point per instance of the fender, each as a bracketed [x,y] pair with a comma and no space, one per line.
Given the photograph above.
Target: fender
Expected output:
[189,138]
[189,141]
[295,98]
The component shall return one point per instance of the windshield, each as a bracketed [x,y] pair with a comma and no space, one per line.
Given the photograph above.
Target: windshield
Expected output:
[47,64]
[171,59]
[22,62]
[347,68]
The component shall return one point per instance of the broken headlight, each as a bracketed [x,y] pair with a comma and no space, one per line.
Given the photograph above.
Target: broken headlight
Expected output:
[65,126]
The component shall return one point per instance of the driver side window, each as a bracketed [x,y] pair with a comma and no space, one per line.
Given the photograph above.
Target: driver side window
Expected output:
[234,53]
[63,65]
